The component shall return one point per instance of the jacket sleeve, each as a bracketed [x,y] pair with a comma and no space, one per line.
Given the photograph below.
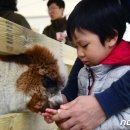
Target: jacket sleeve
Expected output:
[71,89]
[116,122]
[117,97]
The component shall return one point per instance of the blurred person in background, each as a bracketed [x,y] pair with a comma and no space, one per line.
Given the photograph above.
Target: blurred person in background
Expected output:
[57,28]
[7,11]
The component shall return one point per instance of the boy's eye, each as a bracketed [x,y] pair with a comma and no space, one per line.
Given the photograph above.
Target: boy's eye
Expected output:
[84,46]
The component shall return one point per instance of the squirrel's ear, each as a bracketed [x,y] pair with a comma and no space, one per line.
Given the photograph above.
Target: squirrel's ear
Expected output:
[19,59]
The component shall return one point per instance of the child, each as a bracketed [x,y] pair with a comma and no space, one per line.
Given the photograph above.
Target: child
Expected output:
[96,29]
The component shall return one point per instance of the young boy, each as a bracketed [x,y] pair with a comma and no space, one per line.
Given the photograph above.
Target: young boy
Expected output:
[96,29]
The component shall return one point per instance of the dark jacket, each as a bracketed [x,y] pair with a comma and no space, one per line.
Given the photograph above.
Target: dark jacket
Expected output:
[15,17]
[58,25]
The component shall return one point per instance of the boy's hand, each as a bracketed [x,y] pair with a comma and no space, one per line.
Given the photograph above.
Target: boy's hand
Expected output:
[48,115]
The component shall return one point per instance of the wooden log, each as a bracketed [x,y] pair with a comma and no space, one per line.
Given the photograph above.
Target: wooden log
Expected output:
[15,39]
[25,121]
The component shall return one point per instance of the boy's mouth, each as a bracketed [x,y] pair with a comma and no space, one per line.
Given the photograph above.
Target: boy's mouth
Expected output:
[85,62]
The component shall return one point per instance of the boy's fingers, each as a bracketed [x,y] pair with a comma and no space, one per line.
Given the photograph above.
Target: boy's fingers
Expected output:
[61,115]
[44,114]
[52,111]
[68,105]
[56,118]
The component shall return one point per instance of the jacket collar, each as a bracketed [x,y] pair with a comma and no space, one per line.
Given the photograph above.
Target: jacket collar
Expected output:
[99,70]
[120,55]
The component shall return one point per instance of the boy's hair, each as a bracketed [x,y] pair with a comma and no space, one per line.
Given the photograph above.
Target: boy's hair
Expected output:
[8,5]
[105,18]
[60,3]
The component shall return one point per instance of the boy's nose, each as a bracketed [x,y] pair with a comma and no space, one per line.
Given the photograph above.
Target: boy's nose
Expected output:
[80,53]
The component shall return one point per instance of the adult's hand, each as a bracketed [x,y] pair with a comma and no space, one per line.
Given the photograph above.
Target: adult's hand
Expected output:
[83,113]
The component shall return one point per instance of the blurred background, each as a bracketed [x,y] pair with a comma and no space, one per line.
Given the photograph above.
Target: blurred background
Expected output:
[35,11]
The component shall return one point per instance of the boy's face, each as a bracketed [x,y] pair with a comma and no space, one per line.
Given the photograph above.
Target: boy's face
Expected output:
[89,48]
[55,12]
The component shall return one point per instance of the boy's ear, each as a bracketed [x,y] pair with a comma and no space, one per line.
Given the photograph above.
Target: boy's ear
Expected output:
[112,41]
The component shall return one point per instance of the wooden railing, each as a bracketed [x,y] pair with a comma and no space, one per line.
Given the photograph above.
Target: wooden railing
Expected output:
[15,39]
